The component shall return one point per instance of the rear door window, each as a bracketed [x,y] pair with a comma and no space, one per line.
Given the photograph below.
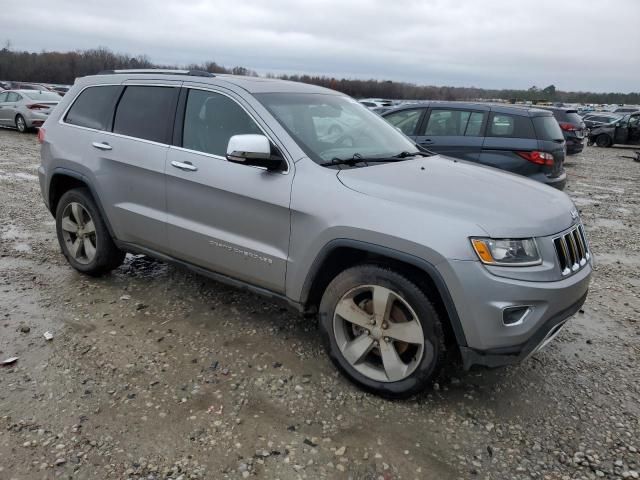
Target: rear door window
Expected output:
[512,126]
[474,125]
[13,97]
[94,107]
[146,112]
[405,120]
[211,119]
[454,123]
[547,128]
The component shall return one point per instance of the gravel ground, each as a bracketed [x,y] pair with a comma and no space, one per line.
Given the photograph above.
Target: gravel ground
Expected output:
[154,372]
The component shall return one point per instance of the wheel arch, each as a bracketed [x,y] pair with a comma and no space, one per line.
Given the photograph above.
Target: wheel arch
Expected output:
[341,254]
[63,180]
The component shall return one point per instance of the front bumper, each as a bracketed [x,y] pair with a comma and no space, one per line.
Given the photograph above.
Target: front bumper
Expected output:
[500,357]
[481,297]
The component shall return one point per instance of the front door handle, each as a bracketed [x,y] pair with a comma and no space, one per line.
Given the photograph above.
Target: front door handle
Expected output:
[428,141]
[188,166]
[101,146]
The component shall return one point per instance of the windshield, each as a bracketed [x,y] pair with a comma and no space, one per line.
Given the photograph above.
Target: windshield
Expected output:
[333,126]
[43,96]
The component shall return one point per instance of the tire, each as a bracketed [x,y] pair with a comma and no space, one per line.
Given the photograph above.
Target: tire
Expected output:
[603,140]
[407,313]
[21,124]
[95,253]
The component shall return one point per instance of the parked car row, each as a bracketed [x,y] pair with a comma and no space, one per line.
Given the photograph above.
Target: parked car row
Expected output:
[47,87]
[522,140]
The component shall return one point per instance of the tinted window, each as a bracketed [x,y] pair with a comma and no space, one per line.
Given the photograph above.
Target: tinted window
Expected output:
[446,123]
[574,118]
[94,107]
[211,119]
[474,126]
[547,128]
[405,120]
[146,112]
[514,126]
[454,123]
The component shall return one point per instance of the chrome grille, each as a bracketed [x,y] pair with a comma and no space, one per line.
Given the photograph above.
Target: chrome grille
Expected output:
[572,250]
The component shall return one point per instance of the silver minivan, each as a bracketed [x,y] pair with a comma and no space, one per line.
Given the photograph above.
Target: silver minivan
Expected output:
[406,258]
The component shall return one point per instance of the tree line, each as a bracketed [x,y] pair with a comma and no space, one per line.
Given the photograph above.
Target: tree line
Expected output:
[64,67]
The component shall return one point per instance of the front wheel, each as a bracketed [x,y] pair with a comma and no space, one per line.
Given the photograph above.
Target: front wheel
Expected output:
[603,140]
[83,235]
[382,331]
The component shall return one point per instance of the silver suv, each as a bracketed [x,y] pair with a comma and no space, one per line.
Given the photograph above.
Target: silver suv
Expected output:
[302,194]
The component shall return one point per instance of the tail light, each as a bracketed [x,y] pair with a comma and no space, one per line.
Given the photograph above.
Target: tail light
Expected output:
[539,158]
[567,127]
[41,132]
[37,106]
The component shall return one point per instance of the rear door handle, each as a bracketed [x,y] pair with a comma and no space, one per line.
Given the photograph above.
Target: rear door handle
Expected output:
[188,166]
[101,146]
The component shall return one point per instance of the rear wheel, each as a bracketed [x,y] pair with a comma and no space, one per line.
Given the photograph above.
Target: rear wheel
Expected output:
[382,331]
[603,140]
[21,124]
[83,235]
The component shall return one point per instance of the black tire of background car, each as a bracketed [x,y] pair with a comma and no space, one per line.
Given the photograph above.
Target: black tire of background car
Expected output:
[603,140]
[21,124]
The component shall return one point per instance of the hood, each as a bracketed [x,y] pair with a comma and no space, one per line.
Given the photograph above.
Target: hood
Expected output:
[503,204]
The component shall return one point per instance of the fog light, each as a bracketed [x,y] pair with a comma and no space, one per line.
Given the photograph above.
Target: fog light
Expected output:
[512,316]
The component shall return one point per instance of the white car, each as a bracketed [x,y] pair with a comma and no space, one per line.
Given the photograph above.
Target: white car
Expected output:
[26,109]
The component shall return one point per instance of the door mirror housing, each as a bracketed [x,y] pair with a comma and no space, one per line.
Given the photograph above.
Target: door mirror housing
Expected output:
[253,150]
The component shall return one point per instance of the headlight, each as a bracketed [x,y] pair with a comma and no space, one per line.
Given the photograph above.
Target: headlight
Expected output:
[507,252]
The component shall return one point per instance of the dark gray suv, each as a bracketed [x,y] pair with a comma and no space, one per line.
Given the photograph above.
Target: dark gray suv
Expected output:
[522,140]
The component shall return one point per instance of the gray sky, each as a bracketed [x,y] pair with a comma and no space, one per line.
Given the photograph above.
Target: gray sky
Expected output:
[576,45]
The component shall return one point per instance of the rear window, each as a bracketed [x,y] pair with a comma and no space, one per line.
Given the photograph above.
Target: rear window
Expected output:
[574,118]
[547,128]
[41,96]
[512,126]
[94,107]
[146,112]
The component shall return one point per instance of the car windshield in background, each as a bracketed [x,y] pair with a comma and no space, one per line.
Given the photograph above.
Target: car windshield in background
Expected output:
[332,126]
[547,128]
[41,96]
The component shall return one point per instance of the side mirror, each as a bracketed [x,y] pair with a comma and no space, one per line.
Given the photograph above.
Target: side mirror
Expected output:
[254,150]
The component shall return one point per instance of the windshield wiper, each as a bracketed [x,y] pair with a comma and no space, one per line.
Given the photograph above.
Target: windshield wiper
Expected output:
[413,154]
[357,158]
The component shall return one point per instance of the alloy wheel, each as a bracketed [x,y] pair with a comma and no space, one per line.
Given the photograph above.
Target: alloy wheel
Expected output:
[379,334]
[21,124]
[79,233]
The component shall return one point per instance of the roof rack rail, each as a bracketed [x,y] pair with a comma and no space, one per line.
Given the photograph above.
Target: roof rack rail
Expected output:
[161,71]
